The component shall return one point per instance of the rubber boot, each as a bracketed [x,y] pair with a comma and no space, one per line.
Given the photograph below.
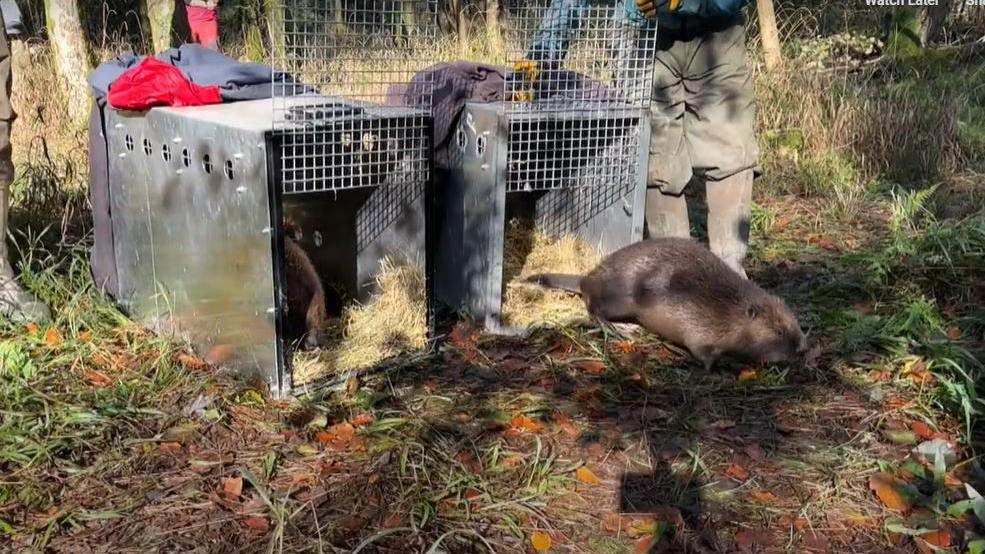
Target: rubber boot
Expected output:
[666,215]
[729,206]
[16,305]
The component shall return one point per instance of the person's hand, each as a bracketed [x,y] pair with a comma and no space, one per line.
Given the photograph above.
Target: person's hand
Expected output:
[649,7]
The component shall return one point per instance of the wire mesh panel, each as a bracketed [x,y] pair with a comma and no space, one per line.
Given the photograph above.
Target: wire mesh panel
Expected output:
[579,93]
[339,116]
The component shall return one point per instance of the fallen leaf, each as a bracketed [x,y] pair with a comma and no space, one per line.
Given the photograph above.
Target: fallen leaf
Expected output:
[52,337]
[85,336]
[338,436]
[306,449]
[97,378]
[748,375]
[755,452]
[612,523]
[592,367]
[589,393]
[787,522]
[624,346]
[232,487]
[720,425]
[940,538]
[954,333]
[566,426]
[374,479]
[540,541]
[190,362]
[219,354]
[748,539]
[169,447]
[363,420]
[257,523]
[470,493]
[32,328]
[512,461]
[888,489]
[737,472]
[643,545]
[766,497]
[393,521]
[524,423]
[586,476]
[922,430]
[880,375]
[467,459]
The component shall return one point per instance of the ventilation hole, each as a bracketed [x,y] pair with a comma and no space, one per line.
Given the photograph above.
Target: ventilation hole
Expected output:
[461,139]
[186,158]
[480,145]
[207,163]
[227,168]
[128,141]
[166,152]
[147,147]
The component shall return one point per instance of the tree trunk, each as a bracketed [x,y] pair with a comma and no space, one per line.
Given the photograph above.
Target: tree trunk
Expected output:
[274,16]
[462,27]
[493,29]
[768,34]
[159,14]
[932,22]
[408,18]
[71,55]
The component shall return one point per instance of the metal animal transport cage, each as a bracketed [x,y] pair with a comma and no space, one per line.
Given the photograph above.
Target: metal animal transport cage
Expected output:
[201,193]
[565,150]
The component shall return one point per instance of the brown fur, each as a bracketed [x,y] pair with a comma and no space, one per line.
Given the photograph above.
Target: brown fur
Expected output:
[305,292]
[679,290]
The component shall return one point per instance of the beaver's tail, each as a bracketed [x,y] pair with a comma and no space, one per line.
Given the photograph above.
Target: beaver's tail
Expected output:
[563,281]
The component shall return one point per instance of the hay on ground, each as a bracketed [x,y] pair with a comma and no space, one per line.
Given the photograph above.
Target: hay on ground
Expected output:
[528,252]
[393,322]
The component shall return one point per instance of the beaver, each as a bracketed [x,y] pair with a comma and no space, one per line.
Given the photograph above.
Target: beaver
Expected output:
[679,290]
[306,311]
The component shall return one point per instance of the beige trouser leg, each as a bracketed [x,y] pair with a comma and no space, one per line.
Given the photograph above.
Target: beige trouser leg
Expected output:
[15,304]
[729,204]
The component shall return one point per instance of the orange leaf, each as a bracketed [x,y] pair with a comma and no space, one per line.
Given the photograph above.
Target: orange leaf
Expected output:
[745,539]
[940,538]
[97,378]
[512,461]
[540,541]
[625,346]
[232,487]
[586,476]
[52,337]
[524,423]
[257,523]
[612,523]
[566,425]
[32,328]
[169,447]
[720,425]
[393,521]
[85,336]
[338,436]
[193,363]
[643,545]
[737,472]
[374,479]
[471,493]
[467,459]
[922,430]
[887,488]
[765,497]
[954,333]
[748,375]
[220,354]
[592,367]
[363,420]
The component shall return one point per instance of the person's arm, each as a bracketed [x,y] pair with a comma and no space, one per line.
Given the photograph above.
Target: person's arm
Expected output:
[559,24]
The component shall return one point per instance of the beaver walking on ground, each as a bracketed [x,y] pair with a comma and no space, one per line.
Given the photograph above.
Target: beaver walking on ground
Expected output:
[306,312]
[679,290]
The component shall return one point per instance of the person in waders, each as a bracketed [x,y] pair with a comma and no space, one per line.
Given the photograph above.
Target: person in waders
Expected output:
[703,111]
